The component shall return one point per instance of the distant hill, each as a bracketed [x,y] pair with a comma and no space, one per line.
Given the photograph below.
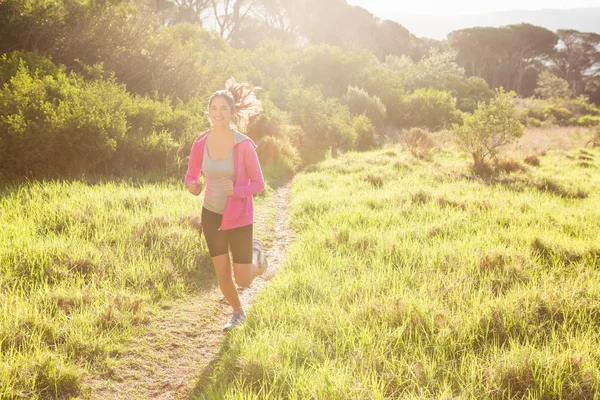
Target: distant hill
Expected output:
[437,27]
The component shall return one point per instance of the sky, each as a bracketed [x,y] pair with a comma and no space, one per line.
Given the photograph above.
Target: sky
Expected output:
[461,7]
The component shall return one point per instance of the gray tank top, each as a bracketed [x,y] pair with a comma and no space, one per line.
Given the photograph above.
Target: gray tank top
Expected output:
[215,196]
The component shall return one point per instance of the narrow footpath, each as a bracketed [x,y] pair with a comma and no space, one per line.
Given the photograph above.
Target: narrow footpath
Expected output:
[185,338]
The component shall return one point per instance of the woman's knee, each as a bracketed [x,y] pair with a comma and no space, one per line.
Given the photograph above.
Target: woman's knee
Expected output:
[243,274]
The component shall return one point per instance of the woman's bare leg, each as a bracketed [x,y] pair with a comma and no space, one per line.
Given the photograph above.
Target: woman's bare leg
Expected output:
[223,270]
[244,274]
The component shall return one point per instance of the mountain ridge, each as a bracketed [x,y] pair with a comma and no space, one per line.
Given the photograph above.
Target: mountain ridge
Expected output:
[438,27]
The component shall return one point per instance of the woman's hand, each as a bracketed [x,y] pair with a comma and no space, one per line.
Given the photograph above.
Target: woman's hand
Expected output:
[195,188]
[227,186]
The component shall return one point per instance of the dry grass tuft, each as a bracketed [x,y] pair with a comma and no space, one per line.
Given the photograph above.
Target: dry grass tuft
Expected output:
[551,186]
[376,181]
[532,160]
[419,142]
[196,222]
[508,165]
[421,197]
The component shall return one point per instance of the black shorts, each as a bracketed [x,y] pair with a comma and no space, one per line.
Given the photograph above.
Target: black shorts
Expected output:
[239,240]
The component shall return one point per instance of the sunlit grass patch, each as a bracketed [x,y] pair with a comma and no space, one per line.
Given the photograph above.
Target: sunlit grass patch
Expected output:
[82,269]
[429,286]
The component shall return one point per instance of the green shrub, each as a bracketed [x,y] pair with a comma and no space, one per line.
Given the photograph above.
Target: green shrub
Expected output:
[534,122]
[561,114]
[59,123]
[586,120]
[551,86]
[54,123]
[360,102]
[326,124]
[429,108]
[490,127]
[365,132]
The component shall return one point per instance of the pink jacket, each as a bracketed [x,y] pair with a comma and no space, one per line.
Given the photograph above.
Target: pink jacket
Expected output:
[248,179]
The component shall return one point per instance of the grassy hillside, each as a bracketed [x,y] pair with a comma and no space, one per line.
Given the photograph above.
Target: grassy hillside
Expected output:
[411,279]
[83,267]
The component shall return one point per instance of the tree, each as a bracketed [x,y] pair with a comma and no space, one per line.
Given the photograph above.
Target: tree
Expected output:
[502,55]
[578,59]
[186,11]
[231,15]
[488,128]
[529,43]
[551,86]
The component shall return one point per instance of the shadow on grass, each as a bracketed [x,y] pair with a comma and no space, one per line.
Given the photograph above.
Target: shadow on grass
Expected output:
[205,384]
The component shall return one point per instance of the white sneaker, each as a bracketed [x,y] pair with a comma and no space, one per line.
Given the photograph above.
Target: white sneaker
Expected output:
[258,258]
[237,319]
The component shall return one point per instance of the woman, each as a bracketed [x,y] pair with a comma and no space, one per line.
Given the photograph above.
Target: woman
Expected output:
[229,163]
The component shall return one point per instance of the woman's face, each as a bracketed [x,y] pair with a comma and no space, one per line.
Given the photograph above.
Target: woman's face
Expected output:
[219,112]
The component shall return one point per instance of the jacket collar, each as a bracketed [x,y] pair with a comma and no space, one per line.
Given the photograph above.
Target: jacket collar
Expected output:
[238,137]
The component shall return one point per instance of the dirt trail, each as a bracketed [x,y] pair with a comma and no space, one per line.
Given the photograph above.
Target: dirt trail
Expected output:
[186,337]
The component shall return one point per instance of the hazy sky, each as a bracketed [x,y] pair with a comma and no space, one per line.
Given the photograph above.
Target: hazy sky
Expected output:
[457,7]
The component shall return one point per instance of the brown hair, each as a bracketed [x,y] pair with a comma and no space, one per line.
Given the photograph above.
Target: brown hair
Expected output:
[241,99]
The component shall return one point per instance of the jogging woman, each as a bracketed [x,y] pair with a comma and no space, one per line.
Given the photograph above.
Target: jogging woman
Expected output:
[228,160]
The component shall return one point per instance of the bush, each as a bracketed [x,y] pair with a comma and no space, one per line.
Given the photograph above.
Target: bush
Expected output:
[534,122]
[365,132]
[278,154]
[551,86]
[326,124]
[53,123]
[418,142]
[58,123]
[586,120]
[429,108]
[360,102]
[561,114]
[490,127]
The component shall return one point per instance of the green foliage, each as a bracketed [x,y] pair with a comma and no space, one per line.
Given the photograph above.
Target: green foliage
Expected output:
[360,102]
[365,132]
[488,128]
[429,108]
[558,114]
[551,86]
[325,122]
[334,68]
[586,120]
[57,123]
[474,90]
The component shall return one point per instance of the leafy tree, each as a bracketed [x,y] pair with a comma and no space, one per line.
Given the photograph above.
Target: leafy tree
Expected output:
[429,108]
[578,59]
[183,11]
[360,102]
[333,67]
[502,55]
[488,128]
[551,86]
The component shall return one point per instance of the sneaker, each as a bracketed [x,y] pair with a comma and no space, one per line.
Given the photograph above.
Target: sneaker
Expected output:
[258,258]
[237,318]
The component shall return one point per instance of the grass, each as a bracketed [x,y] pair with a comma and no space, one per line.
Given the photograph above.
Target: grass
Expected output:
[409,281]
[84,267]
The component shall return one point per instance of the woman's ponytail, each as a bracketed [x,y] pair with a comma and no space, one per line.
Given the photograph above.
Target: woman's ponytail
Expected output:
[247,104]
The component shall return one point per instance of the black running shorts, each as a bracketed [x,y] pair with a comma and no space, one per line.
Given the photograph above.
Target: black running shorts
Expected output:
[239,240]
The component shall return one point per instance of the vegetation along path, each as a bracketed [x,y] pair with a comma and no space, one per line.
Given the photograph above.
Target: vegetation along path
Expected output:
[184,339]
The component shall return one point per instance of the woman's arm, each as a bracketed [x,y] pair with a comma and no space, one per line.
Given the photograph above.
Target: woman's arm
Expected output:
[253,170]
[194,165]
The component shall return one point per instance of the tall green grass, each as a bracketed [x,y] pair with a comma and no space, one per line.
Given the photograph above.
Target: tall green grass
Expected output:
[82,267]
[411,279]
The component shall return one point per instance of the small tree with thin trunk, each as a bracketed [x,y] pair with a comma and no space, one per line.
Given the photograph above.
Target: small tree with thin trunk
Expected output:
[488,128]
